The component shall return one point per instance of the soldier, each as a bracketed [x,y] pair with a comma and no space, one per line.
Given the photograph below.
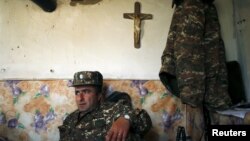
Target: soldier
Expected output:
[193,62]
[95,120]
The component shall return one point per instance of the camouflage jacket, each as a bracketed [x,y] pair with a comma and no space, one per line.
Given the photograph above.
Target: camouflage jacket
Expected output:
[142,122]
[193,61]
[93,126]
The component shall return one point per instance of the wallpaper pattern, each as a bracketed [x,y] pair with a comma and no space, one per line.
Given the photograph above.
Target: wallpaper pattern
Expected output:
[32,110]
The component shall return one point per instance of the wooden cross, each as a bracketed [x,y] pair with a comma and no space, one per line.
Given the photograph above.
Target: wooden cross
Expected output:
[137,16]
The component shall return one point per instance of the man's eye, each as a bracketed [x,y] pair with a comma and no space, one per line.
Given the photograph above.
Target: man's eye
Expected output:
[87,91]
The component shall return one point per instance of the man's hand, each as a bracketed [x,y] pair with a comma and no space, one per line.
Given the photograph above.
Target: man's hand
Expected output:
[119,130]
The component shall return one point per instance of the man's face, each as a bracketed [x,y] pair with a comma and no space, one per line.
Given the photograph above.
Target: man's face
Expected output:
[86,97]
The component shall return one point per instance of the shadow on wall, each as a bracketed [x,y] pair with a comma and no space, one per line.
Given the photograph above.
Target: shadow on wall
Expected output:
[236,87]
[152,135]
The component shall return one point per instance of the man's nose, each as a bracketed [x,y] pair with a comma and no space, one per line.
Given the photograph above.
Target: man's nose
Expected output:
[81,97]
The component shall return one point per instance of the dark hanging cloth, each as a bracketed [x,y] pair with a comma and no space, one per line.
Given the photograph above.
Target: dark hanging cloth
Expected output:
[193,61]
[46,5]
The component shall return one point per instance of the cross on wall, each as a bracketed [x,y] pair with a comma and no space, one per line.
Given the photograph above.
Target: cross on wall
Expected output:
[137,16]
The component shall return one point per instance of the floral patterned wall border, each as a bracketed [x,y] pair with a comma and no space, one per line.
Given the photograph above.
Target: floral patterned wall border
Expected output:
[32,110]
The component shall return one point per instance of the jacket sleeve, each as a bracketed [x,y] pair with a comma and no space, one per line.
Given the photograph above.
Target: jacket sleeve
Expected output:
[142,123]
[66,128]
[140,120]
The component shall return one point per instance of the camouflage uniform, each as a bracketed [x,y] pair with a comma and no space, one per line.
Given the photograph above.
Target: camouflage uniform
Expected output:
[193,62]
[216,96]
[93,125]
[142,121]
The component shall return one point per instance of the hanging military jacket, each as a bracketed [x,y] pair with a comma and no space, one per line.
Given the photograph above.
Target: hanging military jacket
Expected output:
[187,60]
[216,88]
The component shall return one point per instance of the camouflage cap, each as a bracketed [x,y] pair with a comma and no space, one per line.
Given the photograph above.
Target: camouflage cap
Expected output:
[87,78]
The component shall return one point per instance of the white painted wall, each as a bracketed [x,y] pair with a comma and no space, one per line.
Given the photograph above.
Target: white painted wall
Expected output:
[89,37]
[242,30]
[225,13]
